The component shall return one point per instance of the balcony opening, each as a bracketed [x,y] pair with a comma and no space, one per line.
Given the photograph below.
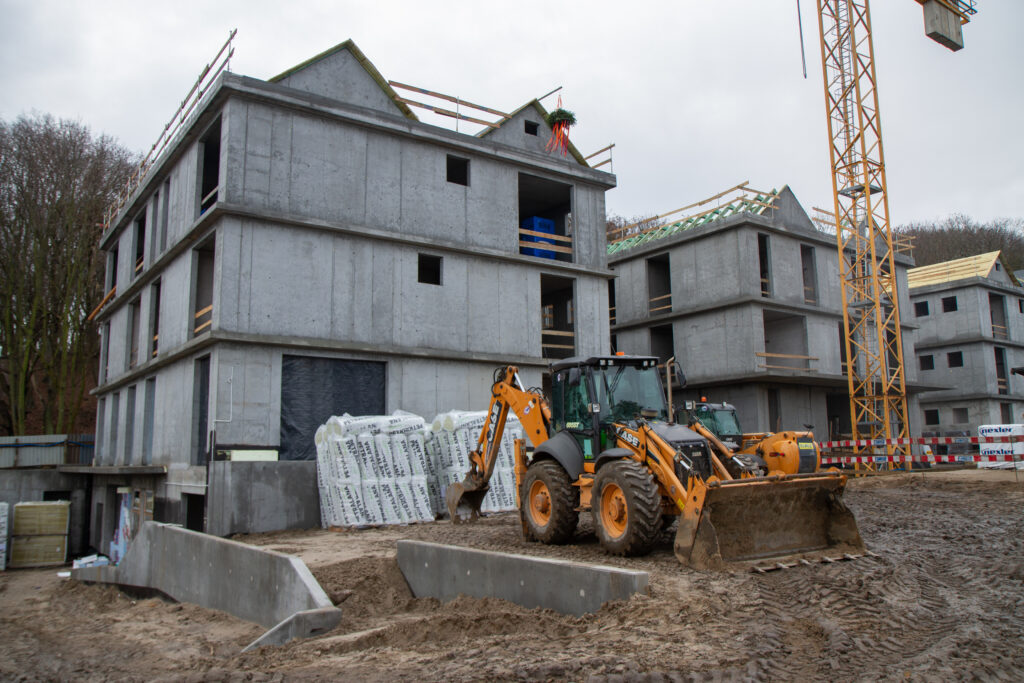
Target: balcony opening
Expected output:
[1002,381]
[810,273]
[764,263]
[165,210]
[202,286]
[134,314]
[200,410]
[659,285]
[785,342]
[140,244]
[997,315]
[545,218]
[558,337]
[611,302]
[154,318]
[662,343]
[112,264]
[209,169]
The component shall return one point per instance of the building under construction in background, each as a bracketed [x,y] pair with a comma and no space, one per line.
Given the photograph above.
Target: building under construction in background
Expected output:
[970,314]
[744,293]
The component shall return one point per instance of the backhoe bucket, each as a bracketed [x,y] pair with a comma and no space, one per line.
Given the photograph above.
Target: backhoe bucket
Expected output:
[769,517]
[464,499]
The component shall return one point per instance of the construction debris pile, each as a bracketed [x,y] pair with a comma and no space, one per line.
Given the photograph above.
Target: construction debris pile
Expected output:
[395,469]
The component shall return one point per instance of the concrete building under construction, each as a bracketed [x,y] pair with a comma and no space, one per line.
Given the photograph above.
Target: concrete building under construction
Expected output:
[306,247]
[971,317]
[745,295]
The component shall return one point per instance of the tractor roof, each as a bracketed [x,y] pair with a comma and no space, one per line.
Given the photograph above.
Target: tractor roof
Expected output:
[594,361]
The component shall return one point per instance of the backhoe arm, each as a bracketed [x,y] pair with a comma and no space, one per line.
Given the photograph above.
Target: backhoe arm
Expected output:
[507,394]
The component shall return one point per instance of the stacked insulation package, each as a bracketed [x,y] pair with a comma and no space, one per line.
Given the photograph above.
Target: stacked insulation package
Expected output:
[395,469]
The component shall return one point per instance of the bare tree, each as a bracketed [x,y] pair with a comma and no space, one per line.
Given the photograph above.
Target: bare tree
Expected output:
[959,235]
[55,181]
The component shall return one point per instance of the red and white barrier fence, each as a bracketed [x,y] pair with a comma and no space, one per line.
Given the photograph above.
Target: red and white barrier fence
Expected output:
[922,441]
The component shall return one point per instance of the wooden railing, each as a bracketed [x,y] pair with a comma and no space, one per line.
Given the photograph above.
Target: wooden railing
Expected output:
[766,286]
[810,295]
[999,331]
[207,315]
[1002,385]
[209,200]
[562,239]
[660,304]
[156,344]
[611,315]
[139,264]
[560,335]
[768,365]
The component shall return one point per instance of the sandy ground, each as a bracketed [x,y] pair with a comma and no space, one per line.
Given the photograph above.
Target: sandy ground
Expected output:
[943,601]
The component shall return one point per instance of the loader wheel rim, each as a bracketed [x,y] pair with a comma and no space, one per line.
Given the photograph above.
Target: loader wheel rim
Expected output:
[540,503]
[614,514]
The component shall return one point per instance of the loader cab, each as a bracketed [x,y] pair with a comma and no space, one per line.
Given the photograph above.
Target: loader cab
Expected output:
[719,418]
[589,395]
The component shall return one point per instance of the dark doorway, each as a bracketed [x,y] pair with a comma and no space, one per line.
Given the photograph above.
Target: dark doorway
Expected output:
[200,410]
[195,511]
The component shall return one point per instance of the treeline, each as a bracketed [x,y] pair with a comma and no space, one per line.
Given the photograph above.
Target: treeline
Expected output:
[56,179]
[959,236]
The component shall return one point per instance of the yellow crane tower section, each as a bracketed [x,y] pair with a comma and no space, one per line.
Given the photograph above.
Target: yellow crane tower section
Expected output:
[871,315]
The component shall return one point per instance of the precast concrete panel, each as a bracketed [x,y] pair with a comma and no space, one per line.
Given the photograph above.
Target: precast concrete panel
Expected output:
[483,331]
[290,282]
[257,152]
[434,316]
[823,343]
[432,206]
[518,312]
[491,209]
[591,313]
[351,295]
[234,141]
[383,288]
[383,182]
[340,76]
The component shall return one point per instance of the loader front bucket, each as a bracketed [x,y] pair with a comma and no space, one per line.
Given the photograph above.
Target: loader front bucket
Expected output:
[768,517]
[464,499]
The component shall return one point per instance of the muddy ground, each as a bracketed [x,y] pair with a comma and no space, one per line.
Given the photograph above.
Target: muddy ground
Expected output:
[943,601]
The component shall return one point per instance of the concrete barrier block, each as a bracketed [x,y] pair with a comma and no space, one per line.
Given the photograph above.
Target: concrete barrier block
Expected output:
[306,624]
[445,572]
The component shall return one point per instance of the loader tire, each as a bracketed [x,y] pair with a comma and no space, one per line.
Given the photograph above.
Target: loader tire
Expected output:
[627,508]
[548,507]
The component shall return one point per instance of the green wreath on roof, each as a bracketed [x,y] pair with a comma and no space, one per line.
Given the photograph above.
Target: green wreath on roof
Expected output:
[561,116]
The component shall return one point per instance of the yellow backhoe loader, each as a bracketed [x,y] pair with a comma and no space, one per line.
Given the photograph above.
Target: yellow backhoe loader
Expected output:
[788,452]
[606,444]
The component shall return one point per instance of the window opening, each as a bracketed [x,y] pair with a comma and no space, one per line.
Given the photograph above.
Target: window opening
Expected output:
[458,170]
[927,362]
[558,337]
[611,302]
[659,285]
[149,414]
[920,309]
[997,316]
[1006,413]
[948,304]
[1002,382]
[931,416]
[764,260]
[960,416]
[200,410]
[531,127]
[662,343]
[140,243]
[134,313]
[210,168]
[955,359]
[112,268]
[202,302]
[810,272]
[545,218]
[165,210]
[154,318]
[774,410]
[429,269]
[105,353]
[129,427]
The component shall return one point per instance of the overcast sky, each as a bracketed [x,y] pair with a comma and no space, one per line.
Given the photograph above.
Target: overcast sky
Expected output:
[696,96]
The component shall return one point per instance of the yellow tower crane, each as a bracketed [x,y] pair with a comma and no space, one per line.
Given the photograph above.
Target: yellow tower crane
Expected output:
[871,315]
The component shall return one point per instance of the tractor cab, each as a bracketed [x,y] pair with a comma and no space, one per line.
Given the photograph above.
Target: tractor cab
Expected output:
[590,396]
[720,419]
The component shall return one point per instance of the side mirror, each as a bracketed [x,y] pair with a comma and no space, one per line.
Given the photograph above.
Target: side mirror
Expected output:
[680,377]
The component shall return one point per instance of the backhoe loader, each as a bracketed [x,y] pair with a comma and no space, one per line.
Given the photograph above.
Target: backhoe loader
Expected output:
[787,452]
[605,444]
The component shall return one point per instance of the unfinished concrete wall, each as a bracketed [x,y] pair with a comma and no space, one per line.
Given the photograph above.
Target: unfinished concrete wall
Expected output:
[30,485]
[253,497]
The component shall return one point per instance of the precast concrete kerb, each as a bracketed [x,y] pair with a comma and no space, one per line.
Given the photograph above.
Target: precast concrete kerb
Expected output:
[445,572]
[269,588]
